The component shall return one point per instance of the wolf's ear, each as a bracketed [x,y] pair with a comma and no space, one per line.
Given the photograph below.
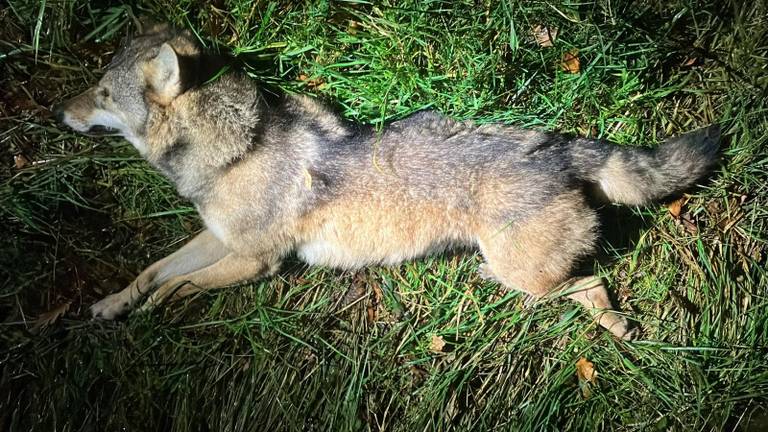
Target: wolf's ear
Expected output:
[163,75]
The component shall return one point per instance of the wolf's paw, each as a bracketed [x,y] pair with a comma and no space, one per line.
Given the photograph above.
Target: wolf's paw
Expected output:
[110,307]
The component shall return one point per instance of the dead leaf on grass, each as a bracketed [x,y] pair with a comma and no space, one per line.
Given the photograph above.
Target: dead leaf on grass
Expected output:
[352,26]
[47,318]
[585,372]
[570,62]
[544,35]
[312,83]
[437,344]
[690,62]
[689,224]
[20,161]
[373,305]
[356,290]
[675,207]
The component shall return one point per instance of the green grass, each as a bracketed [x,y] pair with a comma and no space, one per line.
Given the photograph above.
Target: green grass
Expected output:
[316,349]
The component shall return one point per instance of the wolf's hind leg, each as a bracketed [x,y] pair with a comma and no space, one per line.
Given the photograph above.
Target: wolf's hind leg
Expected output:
[200,252]
[537,255]
[229,270]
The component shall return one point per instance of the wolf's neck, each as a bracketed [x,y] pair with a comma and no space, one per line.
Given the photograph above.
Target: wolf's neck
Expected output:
[202,133]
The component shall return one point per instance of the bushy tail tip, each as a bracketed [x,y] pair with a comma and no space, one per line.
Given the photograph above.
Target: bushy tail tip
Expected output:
[638,176]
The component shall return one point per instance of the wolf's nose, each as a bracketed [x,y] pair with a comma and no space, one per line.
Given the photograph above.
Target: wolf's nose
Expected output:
[58,113]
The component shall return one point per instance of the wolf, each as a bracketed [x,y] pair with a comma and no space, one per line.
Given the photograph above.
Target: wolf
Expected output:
[276,174]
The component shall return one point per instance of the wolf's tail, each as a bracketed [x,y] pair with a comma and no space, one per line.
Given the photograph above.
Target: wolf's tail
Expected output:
[636,176]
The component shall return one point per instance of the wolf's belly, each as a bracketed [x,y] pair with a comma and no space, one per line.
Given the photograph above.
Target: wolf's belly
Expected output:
[351,253]
[384,229]
[325,253]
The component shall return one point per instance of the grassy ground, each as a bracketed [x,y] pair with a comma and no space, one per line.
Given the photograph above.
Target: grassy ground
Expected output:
[315,349]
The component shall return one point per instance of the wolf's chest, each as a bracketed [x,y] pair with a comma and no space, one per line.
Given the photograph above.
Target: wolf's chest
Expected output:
[217,229]
[216,222]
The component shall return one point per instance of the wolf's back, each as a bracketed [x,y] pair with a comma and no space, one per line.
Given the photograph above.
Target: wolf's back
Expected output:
[636,176]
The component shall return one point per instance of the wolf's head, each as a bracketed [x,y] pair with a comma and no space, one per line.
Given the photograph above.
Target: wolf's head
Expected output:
[153,68]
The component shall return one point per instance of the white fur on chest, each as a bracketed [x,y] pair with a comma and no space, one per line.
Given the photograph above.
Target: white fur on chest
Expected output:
[217,230]
[215,226]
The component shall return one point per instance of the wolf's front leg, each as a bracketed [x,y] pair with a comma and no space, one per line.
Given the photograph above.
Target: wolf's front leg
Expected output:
[229,270]
[202,251]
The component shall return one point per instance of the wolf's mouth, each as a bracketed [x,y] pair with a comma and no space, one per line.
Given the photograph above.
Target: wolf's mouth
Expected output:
[99,130]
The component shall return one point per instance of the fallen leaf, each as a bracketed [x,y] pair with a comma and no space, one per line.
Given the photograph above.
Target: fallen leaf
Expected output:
[571,63]
[675,207]
[585,372]
[689,224]
[377,294]
[690,61]
[311,83]
[20,161]
[589,131]
[437,344]
[356,290]
[47,318]
[373,305]
[352,27]
[544,35]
